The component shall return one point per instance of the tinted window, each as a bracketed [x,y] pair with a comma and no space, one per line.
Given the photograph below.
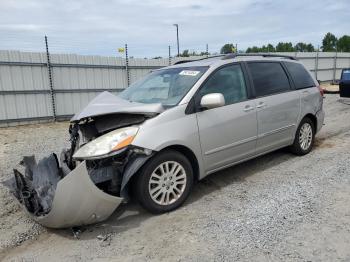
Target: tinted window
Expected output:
[301,77]
[268,78]
[228,81]
[345,75]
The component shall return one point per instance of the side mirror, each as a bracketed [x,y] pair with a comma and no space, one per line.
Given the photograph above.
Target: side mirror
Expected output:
[212,100]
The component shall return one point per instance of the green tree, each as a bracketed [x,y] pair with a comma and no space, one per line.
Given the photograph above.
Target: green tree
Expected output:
[204,53]
[185,53]
[253,49]
[303,47]
[270,48]
[227,49]
[263,49]
[300,47]
[343,44]
[329,43]
[285,47]
[310,48]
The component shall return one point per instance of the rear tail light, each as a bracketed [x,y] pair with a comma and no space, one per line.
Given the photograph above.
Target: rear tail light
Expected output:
[321,90]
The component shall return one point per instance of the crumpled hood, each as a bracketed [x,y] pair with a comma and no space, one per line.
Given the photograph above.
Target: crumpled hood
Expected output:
[107,103]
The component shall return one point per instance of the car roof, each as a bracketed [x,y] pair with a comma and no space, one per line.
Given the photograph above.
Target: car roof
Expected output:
[224,59]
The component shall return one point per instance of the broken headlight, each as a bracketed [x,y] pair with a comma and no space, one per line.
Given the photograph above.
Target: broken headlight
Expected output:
[107,144]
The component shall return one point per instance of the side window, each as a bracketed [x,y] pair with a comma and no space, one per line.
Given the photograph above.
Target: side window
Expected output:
[228,81]
[301,77]
[269,78]
[345,75]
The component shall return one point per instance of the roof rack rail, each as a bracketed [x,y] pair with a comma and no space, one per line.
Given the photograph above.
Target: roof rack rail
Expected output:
[183,61]
[193,60]
[230,56]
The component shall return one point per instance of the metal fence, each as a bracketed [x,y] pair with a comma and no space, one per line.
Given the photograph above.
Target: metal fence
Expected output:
[37,87]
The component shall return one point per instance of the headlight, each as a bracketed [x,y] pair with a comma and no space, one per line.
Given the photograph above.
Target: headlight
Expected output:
[105,145]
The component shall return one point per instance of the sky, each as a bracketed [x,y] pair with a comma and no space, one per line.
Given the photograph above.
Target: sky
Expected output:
[101,27]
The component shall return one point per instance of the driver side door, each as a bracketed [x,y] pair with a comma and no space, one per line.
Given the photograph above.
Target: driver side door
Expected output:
[228,134]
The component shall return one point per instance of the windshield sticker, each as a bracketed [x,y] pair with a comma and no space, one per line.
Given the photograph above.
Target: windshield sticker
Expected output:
[189,73]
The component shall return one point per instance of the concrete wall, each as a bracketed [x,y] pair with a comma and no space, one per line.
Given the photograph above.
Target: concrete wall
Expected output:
[26,95]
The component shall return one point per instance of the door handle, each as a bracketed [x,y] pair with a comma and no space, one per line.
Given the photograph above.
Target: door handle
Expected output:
[248,108]
[261,105]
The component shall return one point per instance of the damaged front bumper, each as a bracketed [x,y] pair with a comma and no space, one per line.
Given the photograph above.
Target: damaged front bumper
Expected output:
[57,197]
[78,201]
[80,189]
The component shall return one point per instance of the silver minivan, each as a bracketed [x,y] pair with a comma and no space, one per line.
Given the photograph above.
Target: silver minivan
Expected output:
[174,127]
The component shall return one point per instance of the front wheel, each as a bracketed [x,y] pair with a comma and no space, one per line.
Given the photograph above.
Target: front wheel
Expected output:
[165,182]
[304,137]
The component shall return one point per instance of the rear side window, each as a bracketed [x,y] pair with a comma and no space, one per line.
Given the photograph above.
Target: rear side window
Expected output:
[301,77]
[269,78]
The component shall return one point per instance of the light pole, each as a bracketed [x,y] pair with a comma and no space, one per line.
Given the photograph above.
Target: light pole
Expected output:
[177,38]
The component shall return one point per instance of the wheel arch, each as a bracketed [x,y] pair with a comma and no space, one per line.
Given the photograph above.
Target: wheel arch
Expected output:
[189,154]
[313,118]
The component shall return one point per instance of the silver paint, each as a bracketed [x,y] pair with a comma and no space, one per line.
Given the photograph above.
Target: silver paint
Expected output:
[167,183]
[78,201]
[107,103]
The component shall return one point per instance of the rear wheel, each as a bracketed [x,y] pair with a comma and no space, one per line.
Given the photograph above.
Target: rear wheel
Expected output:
[165,182]
[304,137]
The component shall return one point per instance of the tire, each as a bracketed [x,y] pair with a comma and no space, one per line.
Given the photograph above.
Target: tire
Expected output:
[153,183]
[303,135]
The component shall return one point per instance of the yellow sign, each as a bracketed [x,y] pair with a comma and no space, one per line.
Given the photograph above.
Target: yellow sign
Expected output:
[121,50]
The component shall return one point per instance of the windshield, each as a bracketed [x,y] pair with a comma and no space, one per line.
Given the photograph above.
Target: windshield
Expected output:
[346,75]
[167,86]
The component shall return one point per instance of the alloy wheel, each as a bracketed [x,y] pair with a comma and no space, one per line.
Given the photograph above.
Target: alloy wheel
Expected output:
[305,136]
[167,183]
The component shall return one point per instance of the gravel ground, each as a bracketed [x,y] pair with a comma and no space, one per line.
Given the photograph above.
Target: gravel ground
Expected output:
[276,207]
[15,142]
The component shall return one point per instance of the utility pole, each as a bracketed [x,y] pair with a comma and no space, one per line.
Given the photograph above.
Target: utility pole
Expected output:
[316,62]
[49,70]
[169,55]
[177,38]
[127,65]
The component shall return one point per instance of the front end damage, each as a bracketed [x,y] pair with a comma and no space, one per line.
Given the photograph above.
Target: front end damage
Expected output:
[67,191]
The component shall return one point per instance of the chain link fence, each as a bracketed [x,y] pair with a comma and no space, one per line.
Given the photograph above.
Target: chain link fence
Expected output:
[39,86]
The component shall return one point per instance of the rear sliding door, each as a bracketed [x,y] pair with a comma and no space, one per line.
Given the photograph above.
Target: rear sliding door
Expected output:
[278,105]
